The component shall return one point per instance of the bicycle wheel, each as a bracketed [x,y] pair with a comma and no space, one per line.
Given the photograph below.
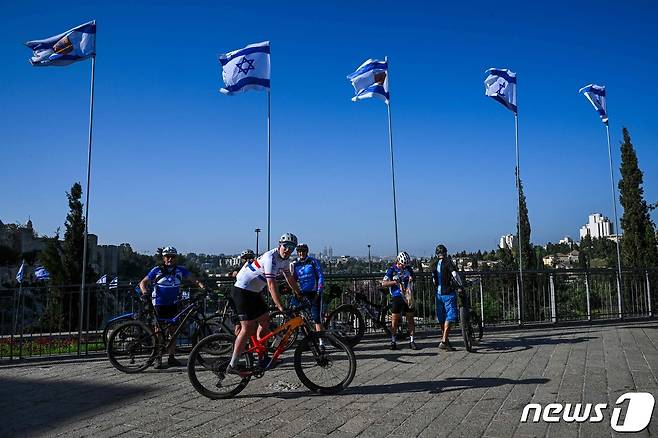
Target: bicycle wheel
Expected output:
[324,363]
[467,328]
[207,364]
[346,323]
[385,321]
[111,326]
[277,319]
[132,347]
[476,323]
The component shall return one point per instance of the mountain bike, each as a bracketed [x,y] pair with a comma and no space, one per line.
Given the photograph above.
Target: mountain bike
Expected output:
[134,345]
[141,313]
[348,324]
[471,324]
[322,362]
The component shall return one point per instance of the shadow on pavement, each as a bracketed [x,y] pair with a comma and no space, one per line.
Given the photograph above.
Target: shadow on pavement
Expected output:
[33,406]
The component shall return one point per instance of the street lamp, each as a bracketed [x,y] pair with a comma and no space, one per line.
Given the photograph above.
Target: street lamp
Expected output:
[369,261]
[257,230]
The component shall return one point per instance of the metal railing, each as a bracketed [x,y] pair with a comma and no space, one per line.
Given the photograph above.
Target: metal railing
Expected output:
[44,320]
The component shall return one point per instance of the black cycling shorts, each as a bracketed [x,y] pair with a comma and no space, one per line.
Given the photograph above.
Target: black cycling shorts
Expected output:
[250,305]
[399,305]
[166,312]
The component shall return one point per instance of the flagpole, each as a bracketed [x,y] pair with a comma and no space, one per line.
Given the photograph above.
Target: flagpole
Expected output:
[614,208]
[519,289]
[390,144]
[84,249]
[269,169]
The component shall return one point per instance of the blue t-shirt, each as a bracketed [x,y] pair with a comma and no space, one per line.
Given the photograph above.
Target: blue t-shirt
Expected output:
[166,285]
[308,274]
[403,274]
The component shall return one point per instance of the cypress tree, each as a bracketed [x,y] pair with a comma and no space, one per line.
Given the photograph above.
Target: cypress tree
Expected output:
[638,243]
[74,236]
[528,252]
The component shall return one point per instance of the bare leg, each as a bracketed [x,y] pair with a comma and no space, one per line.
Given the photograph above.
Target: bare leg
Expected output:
[446,329]
[410,323]
[248,328]
[395,322]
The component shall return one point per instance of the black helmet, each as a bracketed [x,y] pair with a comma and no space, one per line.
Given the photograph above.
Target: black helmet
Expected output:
[247,254]
[441,250]
[302,247]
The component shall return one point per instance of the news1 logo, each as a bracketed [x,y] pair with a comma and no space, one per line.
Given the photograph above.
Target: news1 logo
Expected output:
[638,412]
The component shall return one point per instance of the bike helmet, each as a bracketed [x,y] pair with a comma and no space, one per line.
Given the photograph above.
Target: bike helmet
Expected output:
[247,254]
[169,250]
[404,258]
[302,247]
[441,250]
[288,238]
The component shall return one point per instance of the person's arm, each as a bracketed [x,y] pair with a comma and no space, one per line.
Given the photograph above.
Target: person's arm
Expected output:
[274,293]
[455,275]
[389,279]
[143,285]
[292,282]
[318,271]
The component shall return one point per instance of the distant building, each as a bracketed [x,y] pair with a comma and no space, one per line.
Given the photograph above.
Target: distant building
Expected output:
[508,241]
[562,261]
[597,227]
[567,241]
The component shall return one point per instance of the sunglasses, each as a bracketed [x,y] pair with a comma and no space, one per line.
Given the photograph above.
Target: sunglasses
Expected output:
[289,246]
[169,256]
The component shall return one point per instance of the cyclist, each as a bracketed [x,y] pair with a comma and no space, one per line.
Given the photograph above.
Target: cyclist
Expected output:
[251,307]
[245,256]
[399,278]
[166,280]
[308,273]
[444,277]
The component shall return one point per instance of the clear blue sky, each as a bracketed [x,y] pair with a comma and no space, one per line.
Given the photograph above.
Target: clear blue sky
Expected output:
[177,163]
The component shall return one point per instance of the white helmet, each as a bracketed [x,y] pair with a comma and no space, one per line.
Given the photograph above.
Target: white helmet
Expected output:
[169,250]
[404,258]
[247,254]
[288,238]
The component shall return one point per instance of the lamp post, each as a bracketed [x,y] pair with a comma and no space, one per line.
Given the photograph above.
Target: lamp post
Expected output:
[257,230]
[369,261]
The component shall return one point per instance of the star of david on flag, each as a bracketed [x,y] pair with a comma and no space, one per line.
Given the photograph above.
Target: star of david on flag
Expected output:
[246,69]
[596,95]
[40,273]
[21,273]
[114,283]
[501,86]
[66,48]
[102,280]
[370,80]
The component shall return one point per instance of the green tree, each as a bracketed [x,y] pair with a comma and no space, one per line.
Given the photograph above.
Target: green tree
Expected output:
[529,260]
[639,240]
[74,236]
[51,257]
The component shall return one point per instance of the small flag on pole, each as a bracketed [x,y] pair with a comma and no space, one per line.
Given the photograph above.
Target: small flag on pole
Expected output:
[40,273]
[114,283]
[102,280]
[21,272]
[66,48]
[501,86]
[596,95]
[370,80]
[246,69]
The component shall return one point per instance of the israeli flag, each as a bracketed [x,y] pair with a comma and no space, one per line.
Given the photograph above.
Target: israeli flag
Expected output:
[246,69]
[114,283]
[66,48]
[21,273]
[102,280]
[370,80]
[596,95]
[40,273]
[501,86]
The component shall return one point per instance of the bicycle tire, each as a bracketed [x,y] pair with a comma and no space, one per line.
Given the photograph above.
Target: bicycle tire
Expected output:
[111,326]
[476,323]
[347,324]
[385,321]
[278,318]
[312,362]
[207,363]
[467,329]
[129,340]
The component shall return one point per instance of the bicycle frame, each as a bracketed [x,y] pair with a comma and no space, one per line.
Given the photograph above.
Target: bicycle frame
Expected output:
[258,345]
[180,323]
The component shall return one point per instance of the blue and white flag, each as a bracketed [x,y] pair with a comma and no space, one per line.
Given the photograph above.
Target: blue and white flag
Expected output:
[102,280]
[596,95]
[371,80]
[21,273]
[246,69]
[66,48]
[40,273]
[501,86]
[114,283]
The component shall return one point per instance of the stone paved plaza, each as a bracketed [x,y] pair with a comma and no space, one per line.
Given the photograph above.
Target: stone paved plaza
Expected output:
[395,393]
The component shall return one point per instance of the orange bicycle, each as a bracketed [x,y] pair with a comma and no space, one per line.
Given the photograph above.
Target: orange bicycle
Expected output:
[323,363]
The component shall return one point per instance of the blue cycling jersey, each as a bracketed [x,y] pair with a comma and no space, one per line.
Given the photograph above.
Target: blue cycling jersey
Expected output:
[308,274]
[166,284]
[404,275]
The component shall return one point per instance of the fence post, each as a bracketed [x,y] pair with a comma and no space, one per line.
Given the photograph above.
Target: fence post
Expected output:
[518,298]
[553,306]
[589,309]
[481,300]
[646,274]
